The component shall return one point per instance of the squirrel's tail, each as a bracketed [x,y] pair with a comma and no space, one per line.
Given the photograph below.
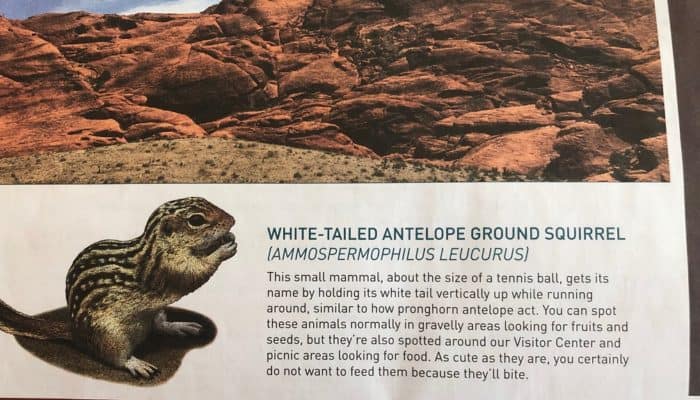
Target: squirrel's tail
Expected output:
[18,324]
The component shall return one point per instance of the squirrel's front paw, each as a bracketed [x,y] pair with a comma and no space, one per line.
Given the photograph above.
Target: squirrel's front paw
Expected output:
[228,250]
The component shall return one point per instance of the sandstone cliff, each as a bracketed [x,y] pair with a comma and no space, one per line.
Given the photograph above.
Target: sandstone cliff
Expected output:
[551,89]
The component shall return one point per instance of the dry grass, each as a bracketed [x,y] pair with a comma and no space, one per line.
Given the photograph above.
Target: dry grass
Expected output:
[221,161]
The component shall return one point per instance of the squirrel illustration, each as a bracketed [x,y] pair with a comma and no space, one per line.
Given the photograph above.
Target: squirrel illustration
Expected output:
[117,290]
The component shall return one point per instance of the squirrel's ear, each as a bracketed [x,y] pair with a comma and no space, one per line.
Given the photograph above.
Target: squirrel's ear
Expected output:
[167,227]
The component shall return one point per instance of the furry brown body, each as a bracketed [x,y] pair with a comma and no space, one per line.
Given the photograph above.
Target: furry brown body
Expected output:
[117,290]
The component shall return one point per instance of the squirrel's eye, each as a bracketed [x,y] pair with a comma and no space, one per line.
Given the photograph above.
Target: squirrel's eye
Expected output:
[196,220]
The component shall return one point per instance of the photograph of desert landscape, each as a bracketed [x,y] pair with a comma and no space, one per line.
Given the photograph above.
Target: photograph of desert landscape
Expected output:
[330,91]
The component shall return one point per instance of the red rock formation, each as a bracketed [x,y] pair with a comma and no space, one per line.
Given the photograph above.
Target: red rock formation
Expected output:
[561,89]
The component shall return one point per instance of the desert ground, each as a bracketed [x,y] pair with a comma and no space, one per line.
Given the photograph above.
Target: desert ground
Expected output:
[227,161]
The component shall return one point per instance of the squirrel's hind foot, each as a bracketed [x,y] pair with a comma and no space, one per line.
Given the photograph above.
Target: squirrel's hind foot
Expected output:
[139,368]
[181,329]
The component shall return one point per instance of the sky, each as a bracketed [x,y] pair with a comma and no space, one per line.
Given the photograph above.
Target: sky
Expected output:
[20,9]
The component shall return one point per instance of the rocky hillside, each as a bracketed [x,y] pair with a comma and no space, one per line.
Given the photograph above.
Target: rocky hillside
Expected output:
[553,89]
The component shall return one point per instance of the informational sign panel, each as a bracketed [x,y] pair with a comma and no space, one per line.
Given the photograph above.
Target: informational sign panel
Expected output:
[352,199]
